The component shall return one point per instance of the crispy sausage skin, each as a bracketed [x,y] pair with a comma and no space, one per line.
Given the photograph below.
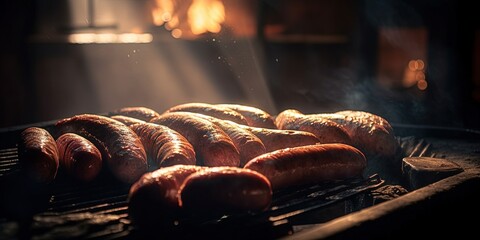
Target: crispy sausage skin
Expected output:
[154,197]
[225,190]
[210,142]
[309,164]
[219,112]
[127,120]
[165,146]
[38,154]
[79,157]
[327,131]
[370,136]
[247,143]
[275,139]
[368,117]
[142,113]
[121,148]
[255,117]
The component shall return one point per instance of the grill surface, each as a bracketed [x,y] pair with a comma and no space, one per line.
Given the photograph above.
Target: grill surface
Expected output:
[99,210]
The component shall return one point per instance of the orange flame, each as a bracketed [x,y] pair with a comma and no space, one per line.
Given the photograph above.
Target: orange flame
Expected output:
[206,16]
[162,11]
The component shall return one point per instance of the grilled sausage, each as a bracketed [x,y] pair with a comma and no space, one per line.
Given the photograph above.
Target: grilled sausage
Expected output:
[327,131]
[153,198]
[255,117]
[211,143]
[127,120]
[38,154]
[369,117]
[223,190]
[248,145]
[210,110]
[309,164]
[275,139]
[372,138]
[142,113]
[79,157]
[165,146]
[121,148]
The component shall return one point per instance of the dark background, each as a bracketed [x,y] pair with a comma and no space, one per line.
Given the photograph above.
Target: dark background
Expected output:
[315,56]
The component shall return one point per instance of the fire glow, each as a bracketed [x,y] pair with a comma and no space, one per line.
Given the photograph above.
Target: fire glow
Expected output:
[202,16]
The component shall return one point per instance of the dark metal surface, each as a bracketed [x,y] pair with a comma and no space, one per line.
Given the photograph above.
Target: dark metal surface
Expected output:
[99,210]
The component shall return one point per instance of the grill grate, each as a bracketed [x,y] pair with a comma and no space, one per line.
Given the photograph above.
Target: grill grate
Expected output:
[99,210]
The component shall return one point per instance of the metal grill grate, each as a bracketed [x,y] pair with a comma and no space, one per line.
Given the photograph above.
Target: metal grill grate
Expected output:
[99,210]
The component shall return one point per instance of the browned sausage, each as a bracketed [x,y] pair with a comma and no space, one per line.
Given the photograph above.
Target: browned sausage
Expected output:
[210,142]
[153,198]
[225,190]
[255,117]
[309,164]
[165,146]
[327,131]
[142,113]
[121,148]
[372,138]
[38,154]
[79,157]
[371,118]
[127,120]
[246,142]
[275,139]
[210,110]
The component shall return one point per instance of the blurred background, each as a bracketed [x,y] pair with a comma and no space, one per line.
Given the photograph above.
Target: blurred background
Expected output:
[412,62]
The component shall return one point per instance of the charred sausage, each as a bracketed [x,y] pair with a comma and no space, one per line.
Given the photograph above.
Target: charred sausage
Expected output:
[210,142]
[309,164]
[165,146]
[142,113]
[255,117]
[121,148]
[79,157]
[248,145]
[153,198]
[327,131]
[372,138]
[38,154]
[225,190]
[275,139]
[219,112]
[127,120]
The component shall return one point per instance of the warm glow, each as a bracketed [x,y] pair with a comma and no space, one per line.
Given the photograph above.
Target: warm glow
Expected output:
[422,85]
[414,74]
[162,11]
[83,38]
[206,16]
[176,33]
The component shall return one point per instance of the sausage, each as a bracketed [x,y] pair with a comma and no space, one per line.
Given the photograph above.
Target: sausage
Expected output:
[369,117]
[79,157]
[275,139]
[121,148]
[127,120]
[142,113]
[372,138]
[309,164]
[327,131]
[38,154]
[248,145]
[255,117]
[153,198]
[165,146]
[224,190]
[210,110]
[211,143]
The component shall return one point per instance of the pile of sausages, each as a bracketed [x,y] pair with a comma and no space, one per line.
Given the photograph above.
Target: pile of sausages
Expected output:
[209,157]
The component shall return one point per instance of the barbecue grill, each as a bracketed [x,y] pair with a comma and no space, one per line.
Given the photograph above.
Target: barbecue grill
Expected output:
[374,205]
